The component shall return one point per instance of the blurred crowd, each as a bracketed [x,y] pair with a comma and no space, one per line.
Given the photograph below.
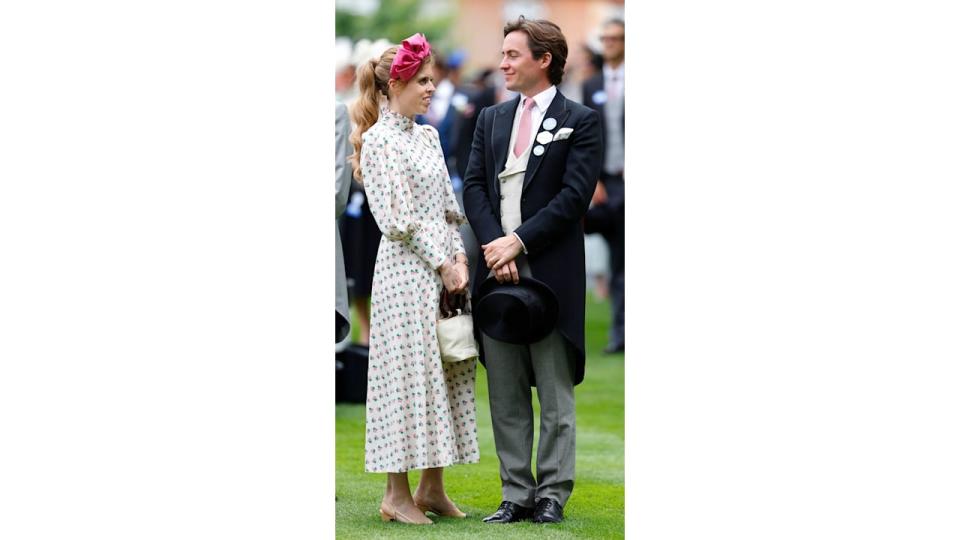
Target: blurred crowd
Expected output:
[590,77]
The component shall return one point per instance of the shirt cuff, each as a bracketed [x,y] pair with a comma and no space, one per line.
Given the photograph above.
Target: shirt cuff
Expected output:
[524,246]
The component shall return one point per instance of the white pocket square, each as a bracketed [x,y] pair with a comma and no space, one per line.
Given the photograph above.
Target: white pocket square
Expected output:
[562,134]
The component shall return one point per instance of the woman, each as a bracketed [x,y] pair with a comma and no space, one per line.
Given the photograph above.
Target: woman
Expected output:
[420,412]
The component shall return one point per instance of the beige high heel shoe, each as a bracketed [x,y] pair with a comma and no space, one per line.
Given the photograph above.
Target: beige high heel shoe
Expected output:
[424,507]
[391,514]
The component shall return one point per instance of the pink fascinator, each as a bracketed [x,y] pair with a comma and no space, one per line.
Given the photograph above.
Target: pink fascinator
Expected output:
[409,57]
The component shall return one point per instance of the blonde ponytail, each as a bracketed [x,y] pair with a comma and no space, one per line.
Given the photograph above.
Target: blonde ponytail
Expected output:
[372,78]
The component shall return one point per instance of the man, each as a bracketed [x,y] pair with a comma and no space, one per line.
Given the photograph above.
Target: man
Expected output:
[604,94]
[343,176]
[532,170]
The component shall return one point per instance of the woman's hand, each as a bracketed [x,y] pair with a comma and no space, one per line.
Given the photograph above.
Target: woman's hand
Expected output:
[452,277]
[464,272]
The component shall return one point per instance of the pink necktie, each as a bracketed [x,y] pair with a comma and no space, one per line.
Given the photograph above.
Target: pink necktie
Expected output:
[523,132]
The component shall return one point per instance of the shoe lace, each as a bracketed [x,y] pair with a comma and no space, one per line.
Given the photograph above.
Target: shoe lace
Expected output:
[542,504]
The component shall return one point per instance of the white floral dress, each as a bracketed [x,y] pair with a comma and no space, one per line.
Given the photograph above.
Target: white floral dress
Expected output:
[421,413]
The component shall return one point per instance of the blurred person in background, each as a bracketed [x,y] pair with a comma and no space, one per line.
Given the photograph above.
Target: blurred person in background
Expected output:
[361,238]
[440,102]
[584,63]
[345,71]
[420,411]
[533,167]
[604,93]
[358,229]
[343,177]
[447,108]
[453,112]
[471,98]
[466,102]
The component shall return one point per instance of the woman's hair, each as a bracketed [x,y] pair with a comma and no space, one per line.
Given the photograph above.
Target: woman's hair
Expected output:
[373,77]
[543,37]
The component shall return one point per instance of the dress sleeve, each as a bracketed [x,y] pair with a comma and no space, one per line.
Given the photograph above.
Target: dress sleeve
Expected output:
[455,219]
[389,196]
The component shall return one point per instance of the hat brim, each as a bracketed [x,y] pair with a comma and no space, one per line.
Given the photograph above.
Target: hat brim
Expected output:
[497,315]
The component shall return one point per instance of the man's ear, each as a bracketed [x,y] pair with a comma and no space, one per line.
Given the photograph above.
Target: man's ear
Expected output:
[545,60]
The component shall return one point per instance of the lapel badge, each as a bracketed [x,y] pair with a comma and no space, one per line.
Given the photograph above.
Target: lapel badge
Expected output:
[549,123]
[538,150]
[459,102]
[544,137]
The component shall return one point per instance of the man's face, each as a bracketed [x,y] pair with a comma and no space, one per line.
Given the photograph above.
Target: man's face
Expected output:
[612,38]
[521,71]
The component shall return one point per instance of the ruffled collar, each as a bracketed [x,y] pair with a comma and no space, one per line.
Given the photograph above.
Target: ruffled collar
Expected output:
[397,120]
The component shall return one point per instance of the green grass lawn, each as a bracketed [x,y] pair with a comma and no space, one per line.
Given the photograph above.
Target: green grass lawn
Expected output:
[595,509]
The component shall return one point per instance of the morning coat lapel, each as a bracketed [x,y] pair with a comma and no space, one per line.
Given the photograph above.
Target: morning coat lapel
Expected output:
[502,129]
[558,111]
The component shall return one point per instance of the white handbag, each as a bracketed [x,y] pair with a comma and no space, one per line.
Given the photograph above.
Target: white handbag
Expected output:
[455,328]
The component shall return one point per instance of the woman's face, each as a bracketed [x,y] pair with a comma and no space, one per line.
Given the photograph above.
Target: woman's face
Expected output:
[413,97]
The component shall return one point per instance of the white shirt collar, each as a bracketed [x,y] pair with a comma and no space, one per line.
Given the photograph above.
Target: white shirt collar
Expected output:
[608,71]
[543,99]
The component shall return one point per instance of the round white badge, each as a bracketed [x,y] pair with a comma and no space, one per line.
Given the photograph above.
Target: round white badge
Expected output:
[544,137]
[459,102]
[549,123]
[599,97]
[538,150]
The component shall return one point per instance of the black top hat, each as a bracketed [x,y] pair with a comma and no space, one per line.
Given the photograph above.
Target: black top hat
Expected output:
[521,314]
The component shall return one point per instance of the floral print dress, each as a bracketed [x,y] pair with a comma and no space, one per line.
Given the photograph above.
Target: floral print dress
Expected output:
[421,413]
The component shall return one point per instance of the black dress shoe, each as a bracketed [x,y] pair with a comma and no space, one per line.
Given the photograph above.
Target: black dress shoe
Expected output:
[548,511]
[509,513]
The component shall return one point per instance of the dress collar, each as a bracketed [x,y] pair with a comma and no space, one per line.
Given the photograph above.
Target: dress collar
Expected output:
[395,119]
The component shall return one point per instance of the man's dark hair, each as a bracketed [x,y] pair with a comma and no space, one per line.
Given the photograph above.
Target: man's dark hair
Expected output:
[543,37]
